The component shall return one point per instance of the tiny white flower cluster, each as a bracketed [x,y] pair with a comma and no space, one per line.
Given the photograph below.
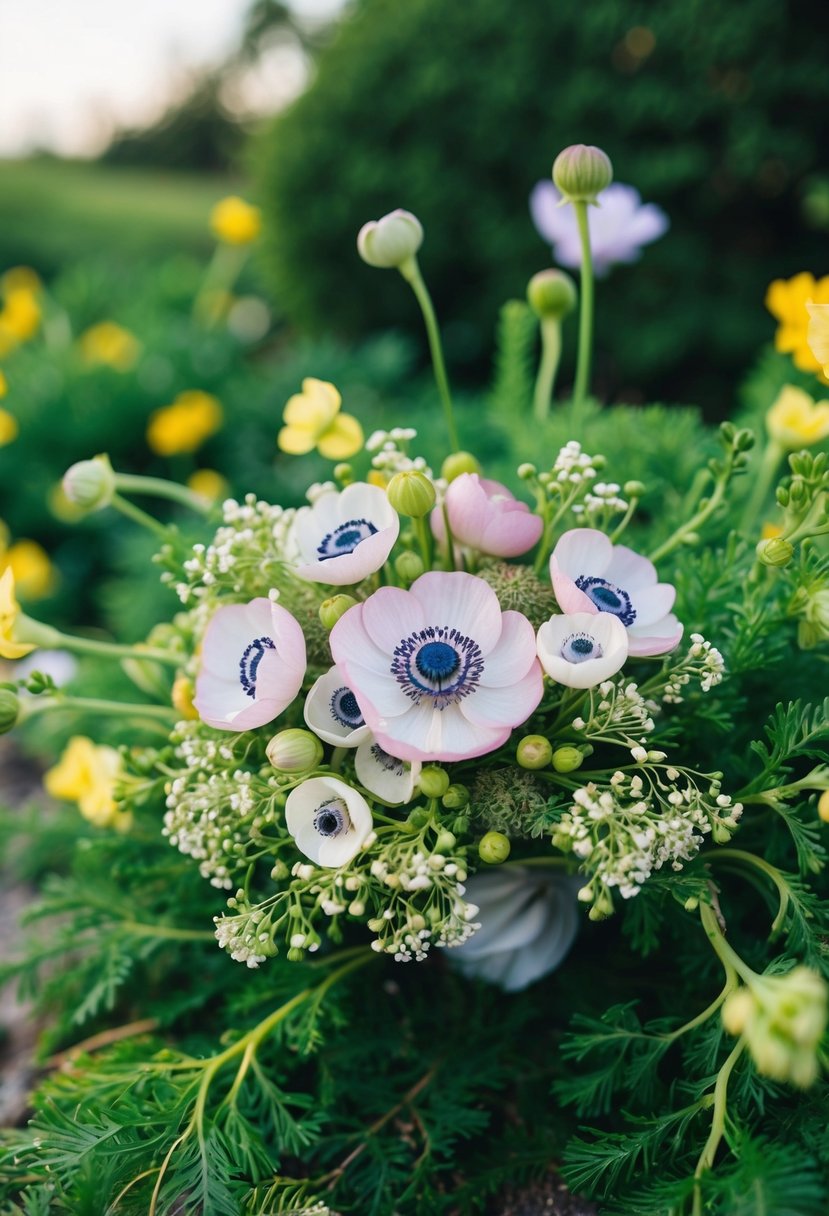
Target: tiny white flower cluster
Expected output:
[618,711]
[574,465]
[603,499]
[392,456]
[241,937]
[703,662]
[402,929]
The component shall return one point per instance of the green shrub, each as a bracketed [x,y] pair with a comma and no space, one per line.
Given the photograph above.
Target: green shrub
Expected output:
[455,111]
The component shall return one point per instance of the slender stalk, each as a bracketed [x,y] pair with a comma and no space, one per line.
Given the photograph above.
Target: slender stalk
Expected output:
[708,1153]
[95,705]
[422,532]
[548,366]
[114,650]
[766,868]
[160,487]
[139,517]
[704,513]
[582,385]
[411,273]
[729,958]
[220,276]
[766,473]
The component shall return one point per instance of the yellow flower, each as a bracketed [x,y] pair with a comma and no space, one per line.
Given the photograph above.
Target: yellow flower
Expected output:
[8,428]
[235,222]
[184,426]
[9,612]
[110,345]
[33,572]
[21,278]
[4,385]
[770,531]
[19,319]
[786,299]
[795,421]
[182,698]
[87,774]
[817,335]
[208,484]
[313,420]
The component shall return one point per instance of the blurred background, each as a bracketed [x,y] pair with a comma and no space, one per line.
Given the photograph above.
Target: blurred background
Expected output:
[122,128]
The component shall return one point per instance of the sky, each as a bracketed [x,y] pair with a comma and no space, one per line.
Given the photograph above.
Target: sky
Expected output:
[71,71]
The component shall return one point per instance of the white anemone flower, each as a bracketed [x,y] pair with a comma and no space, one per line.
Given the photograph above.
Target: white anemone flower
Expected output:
[580,649]
[332,712]
[385,776]
[329,821]
[528,920]
[342,538]
[591,574]
[252,665]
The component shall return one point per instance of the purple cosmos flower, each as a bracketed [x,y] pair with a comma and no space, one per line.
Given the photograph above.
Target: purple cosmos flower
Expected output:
[345,537]
[589,574]
[580,649]
[439,671]
[253,662]
[619,226]
[485,516]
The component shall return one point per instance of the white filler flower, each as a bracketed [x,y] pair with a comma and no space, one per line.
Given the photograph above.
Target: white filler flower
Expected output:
[329,821]
[580,649]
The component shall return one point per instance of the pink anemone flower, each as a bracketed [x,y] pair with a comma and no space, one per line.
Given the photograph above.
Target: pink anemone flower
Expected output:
[253,663]
[484,515]
[440,672]
[589,574]
[345,537]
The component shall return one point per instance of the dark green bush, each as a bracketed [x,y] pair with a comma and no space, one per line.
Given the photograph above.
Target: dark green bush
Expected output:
[455,111]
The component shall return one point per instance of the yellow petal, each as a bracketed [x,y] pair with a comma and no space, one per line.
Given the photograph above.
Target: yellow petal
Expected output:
[315,407]
[803,357]
[342,439]
[296,440]
[777,298]
[9,429]
[818,332]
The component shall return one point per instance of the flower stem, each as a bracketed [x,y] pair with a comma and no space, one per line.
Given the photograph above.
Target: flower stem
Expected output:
[411,273]
[139,517]
[729,958]
[582,385]
[96,705]
[47,637]
[547,368]
[766,868]
[160,487]
[766,472]
[708,1153]
[422,532]
[220,276]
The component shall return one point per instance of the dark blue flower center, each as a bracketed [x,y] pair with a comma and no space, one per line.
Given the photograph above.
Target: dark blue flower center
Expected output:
[345,710]
[331,818]
[249,663]
[438,664]
[390,764]
[579,647]
[345,538]
[607,597]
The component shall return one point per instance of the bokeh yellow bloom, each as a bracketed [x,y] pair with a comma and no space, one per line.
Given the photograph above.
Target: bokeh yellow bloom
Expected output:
[796,421]
[182,698]
[108,344]
[208,484]
[770,531]
[313,420]
[185,425]
[86,774]
[817,335]
[786,299]
[235,222]
[9,429]
[4,385]
[34,574]
[10,648]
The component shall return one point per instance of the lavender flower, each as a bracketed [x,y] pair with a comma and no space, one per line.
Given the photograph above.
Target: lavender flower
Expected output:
[619,226]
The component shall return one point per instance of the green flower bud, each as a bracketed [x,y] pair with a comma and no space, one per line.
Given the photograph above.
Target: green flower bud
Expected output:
[445,842]
[567,759]
[433,781]
[392,241]
[457,463]
[294,751]
[494,848]
[419,817]
[332,609]
[408,567]
[9,710]
[775,552]
[602,907]
[411,493]
[581,172]
[90,484]
[534,751]
[823,806]
[633,489]
[783,1018]
[552,293]
[526,471]
[720,833]
[456,798]
[344,474]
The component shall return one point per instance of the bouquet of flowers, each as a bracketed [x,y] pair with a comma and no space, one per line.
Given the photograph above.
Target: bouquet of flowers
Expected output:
[422,720]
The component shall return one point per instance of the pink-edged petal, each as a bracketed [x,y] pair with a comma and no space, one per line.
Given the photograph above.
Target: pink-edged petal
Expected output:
[511,533]
[462,602]
[390,615]
[231,629]
[361,500]
[352,567]
[466,503]
[508,705]
[286,632]
[583,551]
[432,734]
[659,638]
[379,695]
[629,570]
[350,640]
[568,596]
[652,603]
[513,655]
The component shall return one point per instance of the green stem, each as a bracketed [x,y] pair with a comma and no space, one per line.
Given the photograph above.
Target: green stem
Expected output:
[159,487]
[766,473]
[221,274]
[704,513]
[450,539]
[729,958]
[766,868]
[48,638]
[96,705]
[139,517]
[708,1153]
[423,538]
[548,366]
[411,273]
[582,385]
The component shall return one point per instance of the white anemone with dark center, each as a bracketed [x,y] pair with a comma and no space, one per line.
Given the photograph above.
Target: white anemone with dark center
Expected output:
[345,536]
[333,713]
[439,671]
[329,821]
[383,775]
[580,649]
[591,574]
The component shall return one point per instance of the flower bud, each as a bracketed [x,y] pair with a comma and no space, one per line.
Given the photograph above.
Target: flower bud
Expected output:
[823,806]
[567,759]
[433,781]
[633,489]
[494,848]
[411,493]
[552,293]
[333,608]
[90,484]
[457,463]
[456,798]
[182,698]
[446,841]
[392,241]
[294,751]
[9,710]
[581,172]
[602,908]
[534,751]
[344,474]
[418,818]
[408,567]
[775,552]
[526,471]
[720,834]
